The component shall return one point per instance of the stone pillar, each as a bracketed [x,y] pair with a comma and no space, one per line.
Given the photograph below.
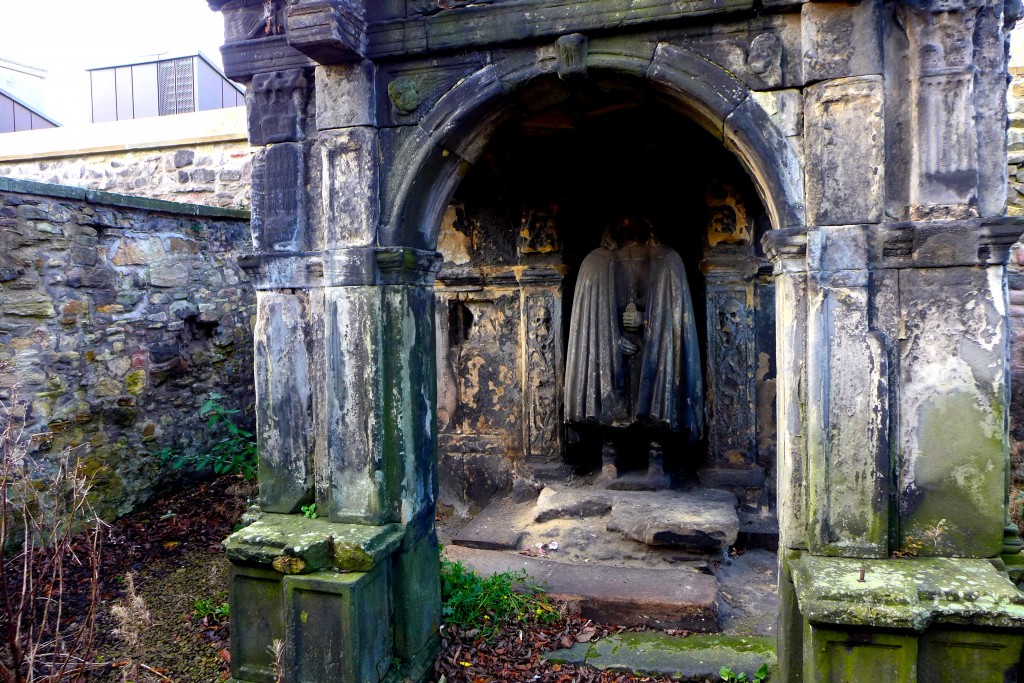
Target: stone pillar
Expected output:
[892,341]
[345,366]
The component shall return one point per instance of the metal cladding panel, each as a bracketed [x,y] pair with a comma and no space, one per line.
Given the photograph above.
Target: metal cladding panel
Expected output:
[165,88]
[146,95]
[104,96]
[227,94]
[22,118]
[6,114]
[184,85]
[38,122]
[209,91]
[123,86]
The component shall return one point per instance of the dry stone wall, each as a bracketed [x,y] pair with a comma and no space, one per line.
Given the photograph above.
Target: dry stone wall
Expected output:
[118,317]
[212,174]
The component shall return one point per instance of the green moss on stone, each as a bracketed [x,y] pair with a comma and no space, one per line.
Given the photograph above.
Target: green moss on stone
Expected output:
[959,481]
[135,381]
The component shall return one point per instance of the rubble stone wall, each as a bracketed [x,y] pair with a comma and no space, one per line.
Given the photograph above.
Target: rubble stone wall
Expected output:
[119,316]
[213,174]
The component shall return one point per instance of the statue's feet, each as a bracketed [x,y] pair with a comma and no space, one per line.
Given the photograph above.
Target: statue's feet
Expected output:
[656,477]
[609,470]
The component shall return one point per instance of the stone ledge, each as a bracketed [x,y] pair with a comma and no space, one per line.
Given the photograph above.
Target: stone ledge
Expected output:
[153,132]
[293,544]
[911,593]
[33,187]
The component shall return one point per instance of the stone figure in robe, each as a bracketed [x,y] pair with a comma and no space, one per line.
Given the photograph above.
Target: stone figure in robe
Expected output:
[633,360]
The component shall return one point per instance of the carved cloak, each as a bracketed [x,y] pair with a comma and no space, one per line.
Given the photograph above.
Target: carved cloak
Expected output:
[597,386]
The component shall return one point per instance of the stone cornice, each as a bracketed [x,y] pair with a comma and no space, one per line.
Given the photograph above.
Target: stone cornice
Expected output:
[353,267]
[922,244]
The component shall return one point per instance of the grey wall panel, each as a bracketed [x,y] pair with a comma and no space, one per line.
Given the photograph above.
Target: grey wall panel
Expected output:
[227,94]
[22,118]
[38,123]
[144,85]
[208,86]
[123,85]
[104,96]
[6,114]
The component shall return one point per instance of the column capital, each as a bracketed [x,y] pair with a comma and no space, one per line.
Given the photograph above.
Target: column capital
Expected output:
[786,249]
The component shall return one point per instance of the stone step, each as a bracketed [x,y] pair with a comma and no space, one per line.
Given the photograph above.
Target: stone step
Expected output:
[701,520]
[659,598]
[758,531]
[690,658]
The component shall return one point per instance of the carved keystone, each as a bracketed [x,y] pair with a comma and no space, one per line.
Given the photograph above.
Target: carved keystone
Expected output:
[572,56]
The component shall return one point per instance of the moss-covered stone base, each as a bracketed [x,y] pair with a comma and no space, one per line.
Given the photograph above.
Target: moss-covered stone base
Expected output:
[349,603]
[908,620]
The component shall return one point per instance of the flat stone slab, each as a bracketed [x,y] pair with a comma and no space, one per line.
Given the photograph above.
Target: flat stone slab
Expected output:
[690,658]
[555,503]
[489,530]
[659,598]
[700,520]
[293,544]
[703,520]
[910,593]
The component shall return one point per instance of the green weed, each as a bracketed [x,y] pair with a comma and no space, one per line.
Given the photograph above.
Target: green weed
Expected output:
[216,608]
[309,511]
[729,676]
[470,601]
[233,452]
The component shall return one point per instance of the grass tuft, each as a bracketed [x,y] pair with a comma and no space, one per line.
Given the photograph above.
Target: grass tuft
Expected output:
[487,603]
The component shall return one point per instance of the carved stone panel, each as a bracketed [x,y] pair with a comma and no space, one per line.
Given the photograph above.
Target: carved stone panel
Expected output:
[279,206]
[944,161]
[731,363]
[542,315]
[483,340]
[276,106]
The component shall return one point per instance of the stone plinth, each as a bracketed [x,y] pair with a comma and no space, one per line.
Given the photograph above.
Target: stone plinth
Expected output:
[328,592]
[914,619]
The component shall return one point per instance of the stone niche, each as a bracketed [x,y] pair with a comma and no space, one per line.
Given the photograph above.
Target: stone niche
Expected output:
[512,239]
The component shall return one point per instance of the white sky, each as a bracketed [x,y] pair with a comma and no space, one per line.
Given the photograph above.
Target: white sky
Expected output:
[68,36]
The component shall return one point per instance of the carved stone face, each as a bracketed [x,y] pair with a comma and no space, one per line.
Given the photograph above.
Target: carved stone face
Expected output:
[730,315]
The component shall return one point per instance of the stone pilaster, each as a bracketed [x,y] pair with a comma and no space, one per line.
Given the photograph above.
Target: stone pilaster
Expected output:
[847,399]
[732,362]
[787,249]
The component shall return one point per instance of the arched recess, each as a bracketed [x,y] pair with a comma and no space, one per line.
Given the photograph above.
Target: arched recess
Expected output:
[457,128]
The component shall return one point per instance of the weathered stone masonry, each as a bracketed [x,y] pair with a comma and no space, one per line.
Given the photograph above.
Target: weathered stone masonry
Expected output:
[874,135]
[118,317]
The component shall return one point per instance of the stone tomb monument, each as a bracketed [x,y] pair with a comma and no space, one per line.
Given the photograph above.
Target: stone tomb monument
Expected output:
[873,134]
[632,360]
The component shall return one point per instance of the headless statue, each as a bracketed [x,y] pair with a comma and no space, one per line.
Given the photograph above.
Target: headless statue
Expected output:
[633,359]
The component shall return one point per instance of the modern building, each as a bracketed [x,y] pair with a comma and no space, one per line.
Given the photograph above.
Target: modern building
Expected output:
[160,86]
[21,96]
